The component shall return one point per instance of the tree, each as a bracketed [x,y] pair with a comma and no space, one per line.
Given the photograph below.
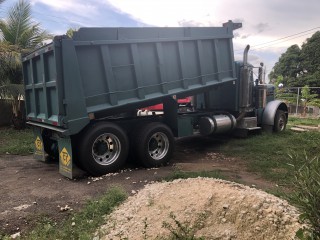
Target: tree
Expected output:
[288,66]
[70,32]
[308,99]
[11,88]
[18,28]
[300,67]
[310,55]
[20,35]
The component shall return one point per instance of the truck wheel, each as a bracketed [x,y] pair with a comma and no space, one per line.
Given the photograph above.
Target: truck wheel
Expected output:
[280,121]
[154,144]
[50,146]
[103,149]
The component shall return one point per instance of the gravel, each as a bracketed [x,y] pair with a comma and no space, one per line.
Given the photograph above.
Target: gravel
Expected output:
[226,210]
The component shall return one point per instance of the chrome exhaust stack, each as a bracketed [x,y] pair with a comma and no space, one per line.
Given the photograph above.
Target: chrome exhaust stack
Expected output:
[246,84]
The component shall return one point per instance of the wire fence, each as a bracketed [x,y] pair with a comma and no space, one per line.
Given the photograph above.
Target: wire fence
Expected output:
[297,104]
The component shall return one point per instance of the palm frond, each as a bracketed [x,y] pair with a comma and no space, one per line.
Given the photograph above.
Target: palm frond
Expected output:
[19,35]
[33,37]
[19,19]
[19,29]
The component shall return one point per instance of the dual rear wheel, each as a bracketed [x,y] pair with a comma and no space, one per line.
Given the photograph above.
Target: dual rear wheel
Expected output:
[104,147]
[153,144]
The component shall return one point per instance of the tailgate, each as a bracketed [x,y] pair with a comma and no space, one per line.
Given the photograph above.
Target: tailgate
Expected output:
[42,95]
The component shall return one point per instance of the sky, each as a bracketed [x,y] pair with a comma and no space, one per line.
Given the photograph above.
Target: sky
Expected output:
[269,26]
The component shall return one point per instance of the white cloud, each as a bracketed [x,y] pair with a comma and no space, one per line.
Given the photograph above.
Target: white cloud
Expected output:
[76,7]
[263,21]
[167,12]
[190,23]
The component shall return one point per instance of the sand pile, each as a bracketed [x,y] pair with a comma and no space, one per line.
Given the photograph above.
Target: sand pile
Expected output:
[220,209]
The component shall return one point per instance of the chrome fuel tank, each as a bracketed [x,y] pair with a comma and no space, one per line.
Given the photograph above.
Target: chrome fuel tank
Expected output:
[217,124]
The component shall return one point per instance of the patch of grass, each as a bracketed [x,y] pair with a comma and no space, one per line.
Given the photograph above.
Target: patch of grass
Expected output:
[184,230]
[306,196]
[4,236]
[16,141]
[81,225]
[303,121]
[278,192]
[184,175]
[268,154]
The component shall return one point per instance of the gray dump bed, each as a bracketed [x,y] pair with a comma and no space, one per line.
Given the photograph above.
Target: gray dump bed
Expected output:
[106,71]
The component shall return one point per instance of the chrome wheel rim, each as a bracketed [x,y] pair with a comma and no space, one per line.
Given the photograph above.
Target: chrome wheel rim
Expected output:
[158,146]
[106,149]
[281,123]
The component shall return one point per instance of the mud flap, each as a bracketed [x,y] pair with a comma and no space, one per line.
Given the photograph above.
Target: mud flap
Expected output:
[66,165]
[38,152]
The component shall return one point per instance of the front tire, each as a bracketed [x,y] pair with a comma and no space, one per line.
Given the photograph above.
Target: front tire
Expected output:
[103,148]
[154,144]
[280,121]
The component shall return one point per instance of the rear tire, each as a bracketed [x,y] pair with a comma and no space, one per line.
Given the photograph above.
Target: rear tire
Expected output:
[103,148]
[50,146]
[153,144]
[280,121]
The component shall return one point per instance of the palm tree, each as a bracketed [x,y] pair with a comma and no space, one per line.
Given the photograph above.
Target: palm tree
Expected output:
[19,35]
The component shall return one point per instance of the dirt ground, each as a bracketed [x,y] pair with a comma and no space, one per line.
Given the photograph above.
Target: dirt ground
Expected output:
[30,189]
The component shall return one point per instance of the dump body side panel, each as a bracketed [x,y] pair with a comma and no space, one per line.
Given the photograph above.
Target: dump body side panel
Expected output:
[127,70]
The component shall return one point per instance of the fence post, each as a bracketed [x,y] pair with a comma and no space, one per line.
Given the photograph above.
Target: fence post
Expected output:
[297,105]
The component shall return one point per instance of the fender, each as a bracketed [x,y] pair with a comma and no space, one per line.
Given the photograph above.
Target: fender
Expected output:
[270,110]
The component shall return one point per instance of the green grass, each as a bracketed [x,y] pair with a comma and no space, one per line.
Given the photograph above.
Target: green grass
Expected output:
[16,141]
[81,225]
[184,230]
[184,175]
[267,154]
[303,121]
[306,194]
[4,236]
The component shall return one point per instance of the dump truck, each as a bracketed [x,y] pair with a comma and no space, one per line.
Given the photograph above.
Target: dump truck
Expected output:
[82,94]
